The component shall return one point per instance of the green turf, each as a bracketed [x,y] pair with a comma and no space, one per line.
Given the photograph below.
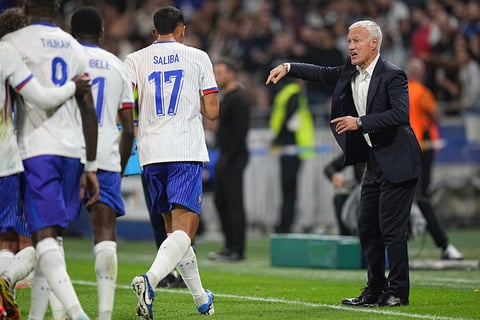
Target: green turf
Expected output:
[252,289]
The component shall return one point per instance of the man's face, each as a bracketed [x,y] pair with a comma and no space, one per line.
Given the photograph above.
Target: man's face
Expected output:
[222,75]
[361,47]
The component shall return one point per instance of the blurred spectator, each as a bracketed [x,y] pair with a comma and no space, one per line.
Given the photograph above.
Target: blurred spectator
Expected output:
[471,24]
[334,171]
[279,50]
[319,49]
[246,32]
[291,17]
[424,117]
[231,142]
[142,21]
[469,76]
[469,97]
[422,33]
[394,19]
[294,141]
[440,63]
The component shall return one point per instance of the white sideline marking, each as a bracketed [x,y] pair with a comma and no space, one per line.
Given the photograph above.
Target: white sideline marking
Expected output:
[296,302]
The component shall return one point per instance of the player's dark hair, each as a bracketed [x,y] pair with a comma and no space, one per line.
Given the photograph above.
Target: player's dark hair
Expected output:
[167,19]
[86,21]
[42,3]
[46,9]
[11,20]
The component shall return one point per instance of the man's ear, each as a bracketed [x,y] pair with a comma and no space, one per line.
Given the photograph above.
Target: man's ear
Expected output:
[154,34]
[179,33]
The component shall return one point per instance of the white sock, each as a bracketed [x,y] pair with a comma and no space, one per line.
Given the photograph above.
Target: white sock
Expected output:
[106,271]
[39,295]
[53,266]
[22,264]
[169,254]
[188,268]
[6,257]
[58,312]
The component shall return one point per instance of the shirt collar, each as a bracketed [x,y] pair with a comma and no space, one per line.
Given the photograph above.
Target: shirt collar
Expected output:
[371,67]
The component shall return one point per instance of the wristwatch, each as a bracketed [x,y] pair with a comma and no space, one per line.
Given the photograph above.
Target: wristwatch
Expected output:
[359,122]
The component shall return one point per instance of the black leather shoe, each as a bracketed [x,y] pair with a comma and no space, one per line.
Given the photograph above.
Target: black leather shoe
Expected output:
[172,281]
[225,256]
[368,296]
[388,300]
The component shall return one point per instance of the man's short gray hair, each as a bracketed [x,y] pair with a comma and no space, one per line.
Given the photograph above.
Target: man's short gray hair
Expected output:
[373,30]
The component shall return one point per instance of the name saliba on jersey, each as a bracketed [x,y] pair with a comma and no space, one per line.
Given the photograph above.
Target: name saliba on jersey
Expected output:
[172,58]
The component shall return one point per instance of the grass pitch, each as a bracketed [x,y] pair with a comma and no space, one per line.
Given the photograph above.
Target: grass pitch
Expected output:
[253,289]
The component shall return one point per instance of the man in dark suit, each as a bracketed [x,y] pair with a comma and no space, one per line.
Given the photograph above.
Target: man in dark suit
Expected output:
[370,121]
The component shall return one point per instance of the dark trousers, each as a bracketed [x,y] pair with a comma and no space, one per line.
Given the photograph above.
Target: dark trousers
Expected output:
[289,168]
[424,204]
[228,192]
[338,202]
[383,224]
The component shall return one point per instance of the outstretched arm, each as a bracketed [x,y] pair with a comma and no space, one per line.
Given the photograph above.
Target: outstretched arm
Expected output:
[51,97]
[277,73]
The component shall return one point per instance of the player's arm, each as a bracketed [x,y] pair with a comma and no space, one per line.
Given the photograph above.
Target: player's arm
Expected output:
[90,133]
[50,98]
[89,124]
[43,97]
[30,88]
[209,106]
[126,140]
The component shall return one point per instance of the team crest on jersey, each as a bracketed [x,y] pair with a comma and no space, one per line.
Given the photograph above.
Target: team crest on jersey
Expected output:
[171,58]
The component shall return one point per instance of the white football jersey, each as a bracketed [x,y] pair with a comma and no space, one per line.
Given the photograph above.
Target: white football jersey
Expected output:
[54,57]
[171,78]
[112,90]
[14,72]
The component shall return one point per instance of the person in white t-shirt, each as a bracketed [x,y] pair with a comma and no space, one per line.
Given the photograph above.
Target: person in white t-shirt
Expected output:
[52,145]
[176,86]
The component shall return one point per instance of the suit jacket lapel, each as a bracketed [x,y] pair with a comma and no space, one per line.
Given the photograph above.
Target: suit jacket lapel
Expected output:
[374,81]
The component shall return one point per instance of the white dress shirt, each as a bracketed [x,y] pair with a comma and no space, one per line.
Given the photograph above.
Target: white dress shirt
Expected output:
[360,85]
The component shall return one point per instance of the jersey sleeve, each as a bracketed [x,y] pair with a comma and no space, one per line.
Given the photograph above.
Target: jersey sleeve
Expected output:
[208,84]
[14,68]
[127,90]
[131,73]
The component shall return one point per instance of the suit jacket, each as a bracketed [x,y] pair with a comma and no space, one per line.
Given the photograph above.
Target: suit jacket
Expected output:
[386,121]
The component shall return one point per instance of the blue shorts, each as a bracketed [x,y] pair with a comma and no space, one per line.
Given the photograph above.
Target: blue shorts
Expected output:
[110,191]
[52,188]
[11,214]
[174,183]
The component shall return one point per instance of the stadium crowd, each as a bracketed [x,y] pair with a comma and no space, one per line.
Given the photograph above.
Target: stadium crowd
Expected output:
[258,35]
